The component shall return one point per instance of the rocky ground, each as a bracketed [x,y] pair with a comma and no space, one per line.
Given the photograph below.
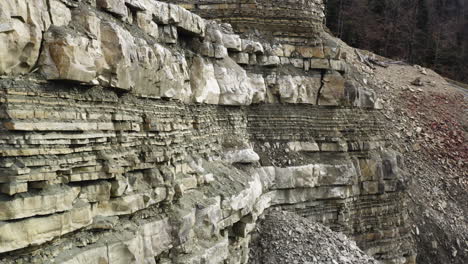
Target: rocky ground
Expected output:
[429,125]
[285,237]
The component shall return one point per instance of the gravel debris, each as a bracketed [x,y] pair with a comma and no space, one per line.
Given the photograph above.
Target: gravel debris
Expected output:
[285,237]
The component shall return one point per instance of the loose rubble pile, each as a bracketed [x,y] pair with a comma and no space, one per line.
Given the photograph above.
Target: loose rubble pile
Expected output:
[441,134]
[284,237]
[429,127]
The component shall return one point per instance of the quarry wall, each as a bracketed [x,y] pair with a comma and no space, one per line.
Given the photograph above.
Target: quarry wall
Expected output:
[140,132]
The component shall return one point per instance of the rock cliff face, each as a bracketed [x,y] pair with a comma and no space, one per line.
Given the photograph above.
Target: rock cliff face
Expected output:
[139,132]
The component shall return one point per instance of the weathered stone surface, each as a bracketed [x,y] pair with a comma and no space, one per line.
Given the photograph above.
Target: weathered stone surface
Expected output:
[252,46]
[140,5]
[156,237]
[48,201]
[303,21]
[173,78]
[119,186]
[233,83]
[320,64]
[13,188]
[118,48]
[116,7]
[118,60]
[66,56]
[125,248]
[96,253]
[304,146]
[297,196]
[205,87]
[96,192]
[298,177]
[313,175]
[89,21]
[160,12]
[131,203]
[213,33]
[20,40]
[241,58]
[269,61]
[168,34]
[297,89]
[35,231]
[310,52]
[191,23]
[245,199]
[59,13]
[232,42]
[361,96]
[257,82]
[333,90]
[145,22]
[150,148]
[241,156]
[220,51]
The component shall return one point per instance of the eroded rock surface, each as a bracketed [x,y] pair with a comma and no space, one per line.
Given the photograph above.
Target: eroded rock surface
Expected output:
[143,133]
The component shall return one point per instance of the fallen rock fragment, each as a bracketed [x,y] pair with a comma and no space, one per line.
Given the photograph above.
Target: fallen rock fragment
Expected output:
[417,82]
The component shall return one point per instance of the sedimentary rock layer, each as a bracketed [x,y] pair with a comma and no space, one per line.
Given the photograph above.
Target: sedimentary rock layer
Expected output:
[288,21]
[143,133]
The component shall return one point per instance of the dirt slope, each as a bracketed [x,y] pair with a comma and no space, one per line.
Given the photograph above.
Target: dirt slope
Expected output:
[428,124]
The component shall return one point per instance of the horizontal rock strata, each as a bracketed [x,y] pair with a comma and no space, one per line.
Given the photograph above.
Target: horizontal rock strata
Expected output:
[290,21]
[143,133]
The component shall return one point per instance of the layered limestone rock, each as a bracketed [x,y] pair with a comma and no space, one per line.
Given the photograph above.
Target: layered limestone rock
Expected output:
[143,133]
[293,20]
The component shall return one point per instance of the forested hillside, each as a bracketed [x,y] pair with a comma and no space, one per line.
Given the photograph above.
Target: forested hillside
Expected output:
[433,33]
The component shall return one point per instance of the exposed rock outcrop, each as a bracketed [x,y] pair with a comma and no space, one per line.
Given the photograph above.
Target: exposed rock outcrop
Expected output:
[155,136]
